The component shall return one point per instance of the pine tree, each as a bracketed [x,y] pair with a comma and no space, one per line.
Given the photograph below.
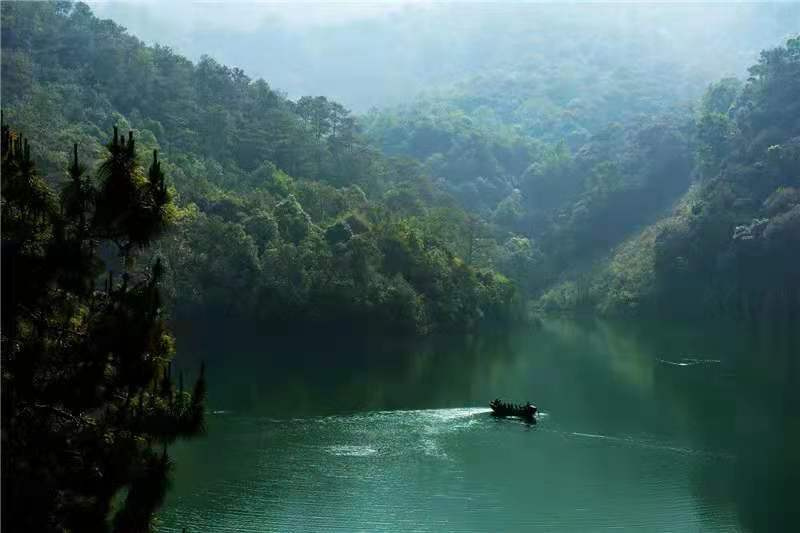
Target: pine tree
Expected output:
[88,403]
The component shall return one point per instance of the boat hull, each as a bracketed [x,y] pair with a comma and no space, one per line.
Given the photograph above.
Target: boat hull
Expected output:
[503,410]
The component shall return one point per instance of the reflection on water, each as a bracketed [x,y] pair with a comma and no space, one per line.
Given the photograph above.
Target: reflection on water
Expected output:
[645,427]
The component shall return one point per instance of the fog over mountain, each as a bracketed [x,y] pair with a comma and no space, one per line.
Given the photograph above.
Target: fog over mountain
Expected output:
[370,54]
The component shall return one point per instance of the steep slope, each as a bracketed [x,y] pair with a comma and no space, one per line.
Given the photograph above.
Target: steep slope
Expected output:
[288,216]
[732,245]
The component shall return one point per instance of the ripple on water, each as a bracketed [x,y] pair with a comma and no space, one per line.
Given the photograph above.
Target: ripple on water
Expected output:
[436,470]
[351,450]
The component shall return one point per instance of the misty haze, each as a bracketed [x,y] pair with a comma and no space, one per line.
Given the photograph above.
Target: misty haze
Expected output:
[400,266]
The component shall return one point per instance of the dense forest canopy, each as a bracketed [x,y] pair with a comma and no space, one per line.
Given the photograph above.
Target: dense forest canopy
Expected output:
[287,214]
[288,207]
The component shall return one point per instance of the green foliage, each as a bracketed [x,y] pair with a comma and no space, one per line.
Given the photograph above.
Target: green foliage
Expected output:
[578,198]
[285,206]
[476,158]
[208,111]
[87,394]
[519,170]
[720,96]
[521,259]
[716,134]
[730,246]
[551,181]
[294,224]
[574,175]
[338,233]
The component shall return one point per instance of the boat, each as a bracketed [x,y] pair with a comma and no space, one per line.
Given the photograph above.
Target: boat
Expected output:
[504,409]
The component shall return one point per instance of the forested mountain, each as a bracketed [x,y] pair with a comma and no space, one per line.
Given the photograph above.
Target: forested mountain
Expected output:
[572,184]
[286,214]
[732,245]
[298,211]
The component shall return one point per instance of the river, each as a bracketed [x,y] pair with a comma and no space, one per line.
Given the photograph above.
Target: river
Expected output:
[643,426]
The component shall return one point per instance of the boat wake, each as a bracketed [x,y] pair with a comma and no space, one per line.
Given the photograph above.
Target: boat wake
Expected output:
[689,361]
[640,443]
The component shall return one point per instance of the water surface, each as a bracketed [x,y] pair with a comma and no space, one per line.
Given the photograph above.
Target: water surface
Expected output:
[649,427]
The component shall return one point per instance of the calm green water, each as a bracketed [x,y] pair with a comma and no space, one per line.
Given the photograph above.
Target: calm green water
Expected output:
[644,427]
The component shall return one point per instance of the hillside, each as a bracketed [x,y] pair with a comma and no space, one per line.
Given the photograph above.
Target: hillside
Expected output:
[591,215]
[732,245]
[452,210]
[287,216]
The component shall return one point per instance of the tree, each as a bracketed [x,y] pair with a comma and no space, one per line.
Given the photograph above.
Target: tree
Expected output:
[720,96]
[715,135]
[88,400]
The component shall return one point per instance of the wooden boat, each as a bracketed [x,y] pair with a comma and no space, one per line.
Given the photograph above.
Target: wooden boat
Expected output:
[527,411]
